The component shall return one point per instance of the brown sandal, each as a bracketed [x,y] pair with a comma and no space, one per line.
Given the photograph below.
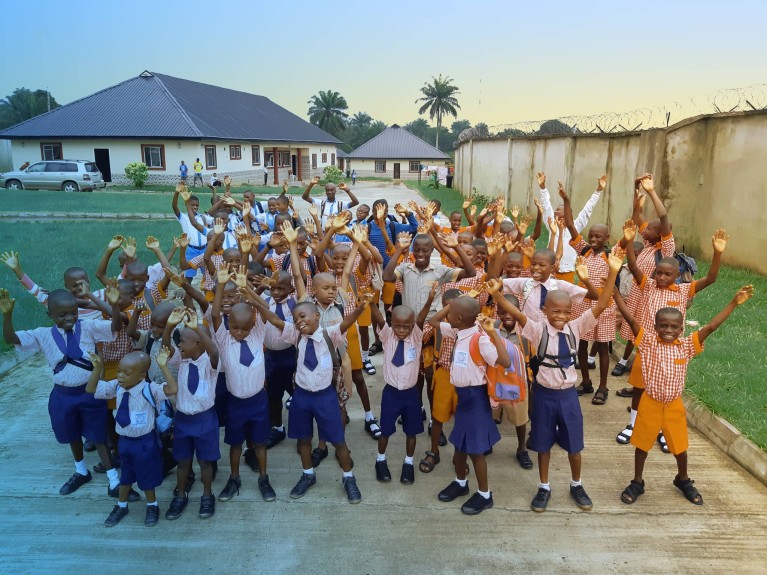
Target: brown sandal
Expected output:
[428,463]
[600,397]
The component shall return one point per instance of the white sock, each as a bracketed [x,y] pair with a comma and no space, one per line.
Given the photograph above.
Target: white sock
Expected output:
[546,486]
[622,362]
[124,504]
[408,460]
[592,359]
[280,428]
[633,417]
[114,479]
[309,471]
[381,457]
[151,504]
[574,483]
[461,482]
[369,415]
[81,468]
[365,355]
[348,474]
[485,494]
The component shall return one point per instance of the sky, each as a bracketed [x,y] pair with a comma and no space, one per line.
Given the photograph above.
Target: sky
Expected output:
[511,60]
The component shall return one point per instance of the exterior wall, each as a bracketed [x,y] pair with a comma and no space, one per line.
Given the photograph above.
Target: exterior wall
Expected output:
[366,168]
[708,170]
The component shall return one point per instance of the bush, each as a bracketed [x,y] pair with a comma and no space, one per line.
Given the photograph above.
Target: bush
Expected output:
[333,174]
[137,173]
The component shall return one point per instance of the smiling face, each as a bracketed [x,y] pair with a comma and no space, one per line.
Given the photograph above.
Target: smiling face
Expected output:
[62,309]
[651,233]
[363,212]
[480,255]
[325,289]
[272,205]
[669,324]
[340,255]
[138,274]
[455,221]
[666,272]
[306,318]
[75,281]
[402,321]
[229,298]
[507,320]
[598,235]
[542,265]
[422,249]
[512,265]
[189,344]
[132,369]
[557,309]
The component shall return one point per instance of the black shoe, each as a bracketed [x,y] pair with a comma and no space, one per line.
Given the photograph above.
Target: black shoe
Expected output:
[133,495]
[74,483]
[99,467]
[619,370]
[303,485]
[541,500]
[382,471]
[423,414]
[592,364]
[177,506]
[89,446]
[276,437]
[375,348]
[231,489]
[116,516]
[581,499]
[408,474]
[318,455]
[524,460]
[584,388]
[267,493]
[442,439]
[352,491]
[452,491]
[188,488]
[477,504]
[207,506]
[152,515]
[251,460]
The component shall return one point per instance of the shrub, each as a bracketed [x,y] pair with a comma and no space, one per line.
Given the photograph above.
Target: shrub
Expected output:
[333,174]
[137,173]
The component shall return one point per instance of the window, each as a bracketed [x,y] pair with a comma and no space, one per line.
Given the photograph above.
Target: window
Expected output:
[324,157]
[51,151]
[284,159]
[154,156]
[210,157]
[92,168]
[314,161]
[380,166]
[255,152]
[415,166]
[333,159]
[55,167]
[269,159]
[36,168]
[235,152]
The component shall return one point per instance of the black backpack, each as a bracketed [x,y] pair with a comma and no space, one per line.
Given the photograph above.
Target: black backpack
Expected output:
[687,266]
[538,360]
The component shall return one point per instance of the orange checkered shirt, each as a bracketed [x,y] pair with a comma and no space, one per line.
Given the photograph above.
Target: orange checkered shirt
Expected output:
[664,365]
[655,298]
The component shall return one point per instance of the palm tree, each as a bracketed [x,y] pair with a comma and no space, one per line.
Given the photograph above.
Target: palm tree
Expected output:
[326,110]
[439,99]
[419,128]
[24,104]
[360,120]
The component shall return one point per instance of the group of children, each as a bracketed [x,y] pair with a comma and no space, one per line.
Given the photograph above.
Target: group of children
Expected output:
[284,306]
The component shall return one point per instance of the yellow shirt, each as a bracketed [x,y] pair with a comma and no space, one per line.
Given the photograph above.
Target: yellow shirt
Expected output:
[198,167]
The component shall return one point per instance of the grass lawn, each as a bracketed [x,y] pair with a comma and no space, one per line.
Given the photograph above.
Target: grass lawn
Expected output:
[450,198]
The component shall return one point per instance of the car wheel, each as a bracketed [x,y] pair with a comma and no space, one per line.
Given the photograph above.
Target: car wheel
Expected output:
[70,187]
[13,185]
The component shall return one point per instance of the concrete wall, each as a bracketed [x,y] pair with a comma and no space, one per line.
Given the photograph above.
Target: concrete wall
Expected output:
[710,172]
[366,168]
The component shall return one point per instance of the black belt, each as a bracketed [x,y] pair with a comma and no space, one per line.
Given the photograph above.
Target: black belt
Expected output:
[197,247]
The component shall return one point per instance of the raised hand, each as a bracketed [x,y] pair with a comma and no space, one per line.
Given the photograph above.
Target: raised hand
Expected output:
[425,226]
[541,180]
[719,240]
[129,247]
[403,239]
[493,286]
[290,200]
[112,291]
[183,241]
[629,230]
[581,269]
[174,276]
[316,180]
[413,207]
[359,233]
[342,186]
[380,213]
[190,318]
[289,233]
[223,274]
[229,200]
[162,356]
[553,225]
[615,259]
[152,243]
[562,192]
[744,294]
[309,226]
[176,316]
[538,206]
[510,246]
[313,211]
[11,259]
[284,186]
[487,323]
[528,247]
[647,183]
[227,181]
[185,194]
[515,211]
[400,209]
[276,240]
[450,240]
[96,360]
[176,242]
[473,211]
[246,207]
[241,276]
[467,202]
[524,223]
[219,226]
[602,183]
[115,243]
[561,224]
[639,199]
[6,302]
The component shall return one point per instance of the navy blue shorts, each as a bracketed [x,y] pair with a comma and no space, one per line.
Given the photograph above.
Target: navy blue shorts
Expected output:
[556,418]
[196,433]
[248,419]
[474,430]
[321,406]
[76,414]
[140,461]
[280,366]
[404,402]
[222,398]
[191,253]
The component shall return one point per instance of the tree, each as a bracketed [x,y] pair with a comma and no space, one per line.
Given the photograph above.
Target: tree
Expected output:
[24,104]
[459,126]
[419,128]
[326,110]
[481,130]
[554,128]
[439,99]
[360,120]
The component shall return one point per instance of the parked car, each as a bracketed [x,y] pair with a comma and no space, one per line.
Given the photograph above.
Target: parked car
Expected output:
[67,175]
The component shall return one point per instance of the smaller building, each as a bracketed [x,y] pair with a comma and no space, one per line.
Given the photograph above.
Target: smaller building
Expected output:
[395,153]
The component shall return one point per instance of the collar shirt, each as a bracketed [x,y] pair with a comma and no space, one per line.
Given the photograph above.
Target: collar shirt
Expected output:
[416,284]
[152,347]
[242,381]
[531,294]
[567,263]
[664,365]
[655,299]
[272,336]
[404,376]
[205,395]
[322,375]
[142,413]
[464,372]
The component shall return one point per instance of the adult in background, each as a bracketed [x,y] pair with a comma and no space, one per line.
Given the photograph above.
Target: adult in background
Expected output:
[354,177]
[183,170]
[328,206]
[197,167]
[266,174]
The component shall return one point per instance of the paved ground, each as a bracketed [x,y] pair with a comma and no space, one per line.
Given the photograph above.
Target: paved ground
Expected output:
[396,528]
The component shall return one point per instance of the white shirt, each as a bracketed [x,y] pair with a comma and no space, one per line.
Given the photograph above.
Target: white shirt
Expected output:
[404,376]
[567,263]
[326,208]
[464,371]
[142,413]
[242,381]
[531,294]
[205,396]
[196,238]
[272,336]
[322,376]
[155,373]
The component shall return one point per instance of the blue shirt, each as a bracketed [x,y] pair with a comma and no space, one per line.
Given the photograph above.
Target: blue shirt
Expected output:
[184,168]
[378,240]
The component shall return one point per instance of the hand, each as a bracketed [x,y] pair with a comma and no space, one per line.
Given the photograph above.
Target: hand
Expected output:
[336,223]
[484,212]
[96,360]
[561,224]
[629,230]
[524,223]
[528,248]
[581,270]
[515,211]
[615,260]
[227,181]
[467,202]
[219,226]
[602,183]
[129,247]
[647,183]
[510,246]
[401,210]
[174,276]
[342,186]
[562,192]
[11,259]
[223,274]
[450,240]
[366,296]
[115,243]
[83,289]
[262,280]
[276,240]
[284,186]
[264,226]
[542,180]
[6,302]
[744,294]
[639,200]
[185,194]
[309,226]
[190,318]
[719,240]
[538,206]
[162,357]
[316,180]
[493,286]
[176,316]
[289,233]
[493,246]
[176,242]
[380,213]
[313,211]
[140,307]
[359,233]
[414,207]
[473,211]
[553,225]
[152,243]
[290,202]
[241,276]
[403,240]
[487,323]
[112,291]
[229,200]
[183,241]
[433,290]
[246,207]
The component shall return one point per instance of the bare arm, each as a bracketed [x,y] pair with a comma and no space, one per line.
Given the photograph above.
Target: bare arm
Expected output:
[375,315]
[629,233]
[352,197]
[6,306]
[538,222]
[744,294]
[439,317]
[488,324]
[421,319]
[308,190]
[101,271]
[626,313]
[95,376]
[351,319]
[494,288]
[615,261]
[131,329]
[719,242]
[349,266]
[388,273]
[207,342]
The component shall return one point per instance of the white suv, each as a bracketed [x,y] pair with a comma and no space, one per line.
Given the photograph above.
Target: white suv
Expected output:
[67,175]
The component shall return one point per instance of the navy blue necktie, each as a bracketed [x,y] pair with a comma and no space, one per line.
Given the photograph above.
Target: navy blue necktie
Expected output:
[544,292]
[123,411]
[193,379]
[278,311]
[226,321]
[246,356]
[310,355]
[398,359]
[564,353]
[73,346]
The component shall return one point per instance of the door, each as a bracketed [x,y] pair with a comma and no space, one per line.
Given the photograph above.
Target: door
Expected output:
[55,174]
[294,166]
[35,176]
[101,156]
[396,171]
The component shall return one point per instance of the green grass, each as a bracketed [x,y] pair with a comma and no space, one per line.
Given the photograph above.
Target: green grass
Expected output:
[450,198]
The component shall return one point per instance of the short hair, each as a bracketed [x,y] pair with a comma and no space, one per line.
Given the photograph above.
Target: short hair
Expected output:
[668,311]
[451,294]
[669,261]
[74,271]
[137,267]
[456,213]
[61,297]
[548,254]
[479,243]
[512,299]
[305,304]
[256,268]
[195,198]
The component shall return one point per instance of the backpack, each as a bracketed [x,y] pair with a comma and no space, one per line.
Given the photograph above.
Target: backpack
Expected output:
[163,413]
[528,289]
[537,360]
[339,209]
[335,355]
[312,264]
[503,384]
[687,266]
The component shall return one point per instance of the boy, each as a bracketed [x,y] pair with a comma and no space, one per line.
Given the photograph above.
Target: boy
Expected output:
[198,235]
[474,431]
[556,414]
[664,358]
[402,344]
[141,460]
[74,413]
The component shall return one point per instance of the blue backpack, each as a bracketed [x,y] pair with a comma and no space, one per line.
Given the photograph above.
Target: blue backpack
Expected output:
[163,413]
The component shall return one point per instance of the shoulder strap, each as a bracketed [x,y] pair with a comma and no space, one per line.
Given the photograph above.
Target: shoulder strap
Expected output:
[322,209]
[146,392]
[312,266]
[334,354]
[474,352]
[291,301]
[286,262]
[340,308]
[543,344]
[392,230]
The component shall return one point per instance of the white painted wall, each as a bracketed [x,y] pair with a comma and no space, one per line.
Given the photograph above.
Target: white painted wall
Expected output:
[366,168]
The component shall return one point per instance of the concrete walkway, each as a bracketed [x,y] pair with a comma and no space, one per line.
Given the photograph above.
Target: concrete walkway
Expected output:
[396,528]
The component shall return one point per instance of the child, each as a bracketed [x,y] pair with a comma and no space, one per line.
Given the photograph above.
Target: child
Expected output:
[215,255]
[198,238]
[556,413]
[664,360]
[402,344]
[74,413]
[141,460]
[150,340]
[196,424]
[474,431]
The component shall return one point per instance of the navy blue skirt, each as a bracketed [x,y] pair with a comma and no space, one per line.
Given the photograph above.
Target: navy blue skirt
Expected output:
[474,430]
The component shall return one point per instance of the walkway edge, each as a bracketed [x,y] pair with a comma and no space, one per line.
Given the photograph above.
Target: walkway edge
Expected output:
[12,358]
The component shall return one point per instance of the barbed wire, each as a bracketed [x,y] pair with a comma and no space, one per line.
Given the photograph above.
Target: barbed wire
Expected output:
[750,98]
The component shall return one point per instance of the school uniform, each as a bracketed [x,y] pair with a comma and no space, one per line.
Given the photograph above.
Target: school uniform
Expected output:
[349,302]
[598,269]
[534,294]
[444,397]
[279,357]
[196,424]
[474,430]
[197,240]
[222,391]
[248,403]
[331,316]
[314,397]
[152,346]
[41,295]
[209,281]
[74,414]
[140,455]
[556,415]
[401,396]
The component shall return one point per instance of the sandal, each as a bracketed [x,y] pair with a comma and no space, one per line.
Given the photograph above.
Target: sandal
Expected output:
[632,492]
[625,436]
[375,348]
[583,388]
[625,392]
[600,397]
[373,429]
[369,367]
[689,490]
[662,442]
[428,463]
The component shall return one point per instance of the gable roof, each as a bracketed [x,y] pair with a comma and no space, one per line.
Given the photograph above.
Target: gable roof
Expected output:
[158,106]
[397,143]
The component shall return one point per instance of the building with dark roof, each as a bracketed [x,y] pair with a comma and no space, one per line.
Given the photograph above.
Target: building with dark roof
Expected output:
[397,154]
[162,120]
